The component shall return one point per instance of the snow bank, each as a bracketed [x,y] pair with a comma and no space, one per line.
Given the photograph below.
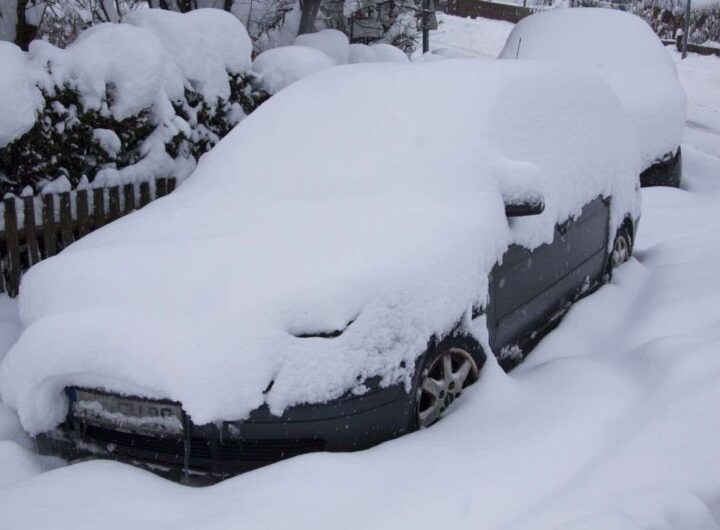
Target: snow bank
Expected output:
[280,67]
[19,100]
[339,231]
[625,52]
[331,42]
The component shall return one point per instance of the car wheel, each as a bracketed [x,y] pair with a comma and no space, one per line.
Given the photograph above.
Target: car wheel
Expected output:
[622,248]
[445,375]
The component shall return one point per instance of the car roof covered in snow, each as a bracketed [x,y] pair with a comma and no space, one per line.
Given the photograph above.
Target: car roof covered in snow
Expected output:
[623,50]
[368,193]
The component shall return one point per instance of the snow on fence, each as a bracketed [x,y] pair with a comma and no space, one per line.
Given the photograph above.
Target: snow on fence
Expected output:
[36,227]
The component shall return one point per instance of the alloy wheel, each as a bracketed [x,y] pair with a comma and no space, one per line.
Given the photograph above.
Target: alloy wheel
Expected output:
[441,383]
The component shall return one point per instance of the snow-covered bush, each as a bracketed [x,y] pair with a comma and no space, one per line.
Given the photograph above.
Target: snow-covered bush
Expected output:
[125,102]
[279,67]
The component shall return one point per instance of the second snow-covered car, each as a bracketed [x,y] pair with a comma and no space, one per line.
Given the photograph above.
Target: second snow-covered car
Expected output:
[623,50]
[336,271]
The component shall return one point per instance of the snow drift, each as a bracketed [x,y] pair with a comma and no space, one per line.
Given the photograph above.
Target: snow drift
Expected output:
[626,53]
[375,218]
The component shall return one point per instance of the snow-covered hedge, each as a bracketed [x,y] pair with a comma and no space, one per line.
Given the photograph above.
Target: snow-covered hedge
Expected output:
[313,52]
[125,102]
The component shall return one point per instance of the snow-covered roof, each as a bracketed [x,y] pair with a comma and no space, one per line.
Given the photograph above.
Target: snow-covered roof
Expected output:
[623,50]
[369,193]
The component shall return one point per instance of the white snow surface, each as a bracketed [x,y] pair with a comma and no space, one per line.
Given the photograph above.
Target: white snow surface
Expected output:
[331,42]
[610,425]
[387,53]
[283,66]
[121,57]
[197,296]
[458,36]
[202,46]
[361,53]
[626,53]
[19,100]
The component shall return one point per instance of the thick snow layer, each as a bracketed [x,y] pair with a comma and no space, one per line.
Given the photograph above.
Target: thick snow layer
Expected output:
[626,53]
[458,36]
[387,53]
[610,424]
[700,77]
[216,278]
[19,100]
[280,67]
[331,42]
[204,45]
[361,53]
[120,58]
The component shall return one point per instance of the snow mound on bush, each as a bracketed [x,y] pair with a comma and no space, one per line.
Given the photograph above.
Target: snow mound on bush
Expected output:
[387,53]
[202,47]
[626,53]
[19,99]
[201,296]
[280,67]
[362,53]
[331,42]
[115,58]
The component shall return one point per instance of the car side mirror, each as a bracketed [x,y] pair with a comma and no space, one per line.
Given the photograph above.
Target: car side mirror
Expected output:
[535,206]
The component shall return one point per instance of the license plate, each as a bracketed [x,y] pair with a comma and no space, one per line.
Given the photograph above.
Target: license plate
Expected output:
[127,414]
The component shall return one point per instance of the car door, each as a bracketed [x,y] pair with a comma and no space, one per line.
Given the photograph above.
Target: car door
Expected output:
[526,289]
[588,245]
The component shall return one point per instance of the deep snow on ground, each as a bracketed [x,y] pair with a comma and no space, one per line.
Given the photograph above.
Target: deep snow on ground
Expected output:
[611,423]
[458,37]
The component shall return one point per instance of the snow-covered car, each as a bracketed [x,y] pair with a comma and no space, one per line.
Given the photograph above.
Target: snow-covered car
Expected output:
[336,271]
[623,50]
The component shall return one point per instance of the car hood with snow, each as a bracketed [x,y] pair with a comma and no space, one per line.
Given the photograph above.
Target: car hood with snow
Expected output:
[323,241]
[623,50]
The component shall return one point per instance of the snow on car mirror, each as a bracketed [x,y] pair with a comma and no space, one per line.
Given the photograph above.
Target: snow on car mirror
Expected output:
[323,334]
[534,206]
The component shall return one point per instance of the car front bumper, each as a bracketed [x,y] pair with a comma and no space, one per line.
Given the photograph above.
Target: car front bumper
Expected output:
[208,453]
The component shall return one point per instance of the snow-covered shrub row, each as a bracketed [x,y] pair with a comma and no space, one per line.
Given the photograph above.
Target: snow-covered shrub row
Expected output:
[125,102]
[313,52]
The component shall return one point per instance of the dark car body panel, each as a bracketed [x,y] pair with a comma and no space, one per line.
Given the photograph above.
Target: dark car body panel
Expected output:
[529,293]
[665,172]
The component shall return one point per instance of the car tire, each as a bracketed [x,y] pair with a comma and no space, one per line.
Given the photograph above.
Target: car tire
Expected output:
[620,252]
[447,368]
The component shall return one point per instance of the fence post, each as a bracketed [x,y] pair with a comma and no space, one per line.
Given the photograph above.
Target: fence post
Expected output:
[13,247]
[30,233]
[49,232]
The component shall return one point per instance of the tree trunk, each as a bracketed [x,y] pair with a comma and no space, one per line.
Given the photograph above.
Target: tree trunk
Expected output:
[309,11]
[24,32]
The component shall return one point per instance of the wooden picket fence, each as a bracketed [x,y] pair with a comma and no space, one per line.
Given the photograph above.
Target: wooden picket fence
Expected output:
[37,227]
